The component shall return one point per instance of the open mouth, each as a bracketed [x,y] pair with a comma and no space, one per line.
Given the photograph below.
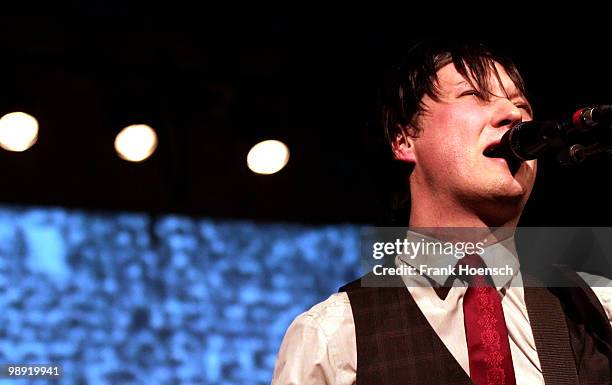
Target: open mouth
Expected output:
[494,150]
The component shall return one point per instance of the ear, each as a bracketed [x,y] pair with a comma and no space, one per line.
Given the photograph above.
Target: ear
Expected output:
[403,144]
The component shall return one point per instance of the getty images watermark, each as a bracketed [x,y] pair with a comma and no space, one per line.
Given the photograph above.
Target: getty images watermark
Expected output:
[434,254]
[400,256]
[428,249]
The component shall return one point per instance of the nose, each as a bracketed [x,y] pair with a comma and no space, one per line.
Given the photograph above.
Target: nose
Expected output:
[506,114]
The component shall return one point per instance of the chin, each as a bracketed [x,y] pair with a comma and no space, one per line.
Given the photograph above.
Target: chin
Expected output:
[503,198]
[514,189]
[513,193]
[508,186]
[500,208]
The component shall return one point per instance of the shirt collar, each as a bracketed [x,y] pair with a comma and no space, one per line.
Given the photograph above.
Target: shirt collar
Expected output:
[501,254]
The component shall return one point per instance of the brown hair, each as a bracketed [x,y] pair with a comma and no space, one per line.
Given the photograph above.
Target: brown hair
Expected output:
[416,77]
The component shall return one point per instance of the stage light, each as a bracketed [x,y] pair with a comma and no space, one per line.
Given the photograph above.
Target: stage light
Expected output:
[136,143]
[18,131]
[268,157]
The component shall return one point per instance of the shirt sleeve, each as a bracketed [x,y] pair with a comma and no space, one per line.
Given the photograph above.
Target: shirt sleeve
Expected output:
[319,346]
[602,287]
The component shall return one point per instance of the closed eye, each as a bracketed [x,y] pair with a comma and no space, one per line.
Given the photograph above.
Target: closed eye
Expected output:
[472,93]
[525,107]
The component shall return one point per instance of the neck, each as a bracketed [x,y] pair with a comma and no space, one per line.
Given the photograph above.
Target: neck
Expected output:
[454,224]
[429,211]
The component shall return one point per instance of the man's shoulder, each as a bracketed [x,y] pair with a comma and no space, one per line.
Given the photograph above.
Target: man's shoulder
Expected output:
[319,346]
[329,314]
[332,304]
[330,319]
[602,287]
[326,328]
[587,294]
[596,281]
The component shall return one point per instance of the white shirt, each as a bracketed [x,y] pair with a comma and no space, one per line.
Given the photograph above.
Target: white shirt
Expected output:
[319,346]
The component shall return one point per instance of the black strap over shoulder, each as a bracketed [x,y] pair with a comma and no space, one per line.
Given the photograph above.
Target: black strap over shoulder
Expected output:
[570,329]
[550,333]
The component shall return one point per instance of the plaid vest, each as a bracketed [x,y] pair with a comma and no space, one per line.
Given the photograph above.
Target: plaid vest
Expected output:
[397,346]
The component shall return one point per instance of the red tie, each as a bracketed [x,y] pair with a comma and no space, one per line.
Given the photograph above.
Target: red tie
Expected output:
[485,330]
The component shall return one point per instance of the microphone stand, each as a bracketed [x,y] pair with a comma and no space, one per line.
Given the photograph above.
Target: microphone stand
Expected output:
[575,153]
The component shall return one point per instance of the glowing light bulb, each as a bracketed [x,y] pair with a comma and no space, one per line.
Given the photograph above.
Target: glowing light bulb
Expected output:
[18,131]
[268,157]
[136,143]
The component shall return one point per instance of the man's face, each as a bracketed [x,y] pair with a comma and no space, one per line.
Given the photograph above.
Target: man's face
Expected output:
[448,152]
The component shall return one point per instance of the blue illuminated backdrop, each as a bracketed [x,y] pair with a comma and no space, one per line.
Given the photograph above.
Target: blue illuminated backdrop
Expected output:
[138,299]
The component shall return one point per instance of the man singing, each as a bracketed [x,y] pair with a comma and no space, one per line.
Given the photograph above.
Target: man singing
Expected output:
[452,102]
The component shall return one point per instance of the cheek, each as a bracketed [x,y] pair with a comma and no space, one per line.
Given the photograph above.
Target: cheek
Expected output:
[456,125]
[450,136]
[441,159]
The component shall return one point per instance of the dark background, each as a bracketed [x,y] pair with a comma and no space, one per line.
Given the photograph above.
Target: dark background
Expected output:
[214,82]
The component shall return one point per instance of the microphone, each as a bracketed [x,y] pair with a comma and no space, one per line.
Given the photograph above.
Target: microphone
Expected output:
[592,116]
[528,140]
